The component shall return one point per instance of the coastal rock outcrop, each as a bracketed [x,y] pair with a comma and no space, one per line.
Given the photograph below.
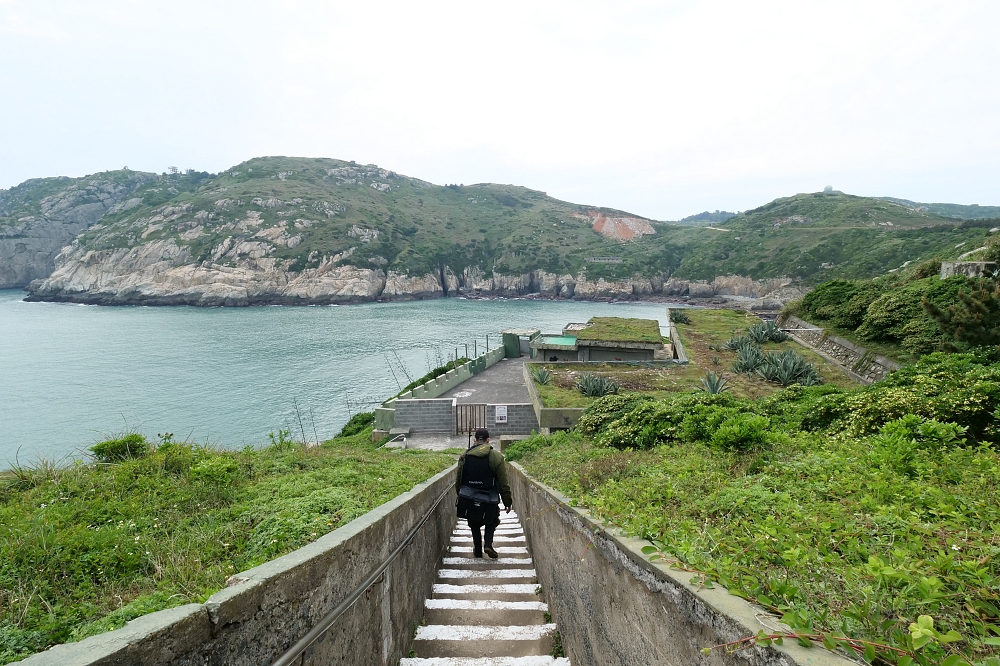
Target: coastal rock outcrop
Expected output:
[33,230]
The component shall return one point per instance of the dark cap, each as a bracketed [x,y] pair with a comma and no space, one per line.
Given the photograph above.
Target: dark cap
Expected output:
[482,434]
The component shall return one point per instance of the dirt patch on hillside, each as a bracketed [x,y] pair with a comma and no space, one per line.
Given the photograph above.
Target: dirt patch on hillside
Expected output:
[621,228]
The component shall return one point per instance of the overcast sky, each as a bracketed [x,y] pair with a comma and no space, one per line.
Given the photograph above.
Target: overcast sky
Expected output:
[663,109]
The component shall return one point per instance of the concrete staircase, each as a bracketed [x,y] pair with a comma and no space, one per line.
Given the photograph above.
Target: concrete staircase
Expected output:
[486,612]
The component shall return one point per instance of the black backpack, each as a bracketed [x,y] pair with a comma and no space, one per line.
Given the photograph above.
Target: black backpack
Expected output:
[477,493]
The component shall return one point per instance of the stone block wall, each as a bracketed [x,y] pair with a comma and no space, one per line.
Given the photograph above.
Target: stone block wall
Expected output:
[265,610]
[861,364]
[426,415]
[521,420]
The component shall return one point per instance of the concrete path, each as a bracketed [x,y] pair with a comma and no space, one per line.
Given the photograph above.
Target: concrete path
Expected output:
[500,384]
[486,612]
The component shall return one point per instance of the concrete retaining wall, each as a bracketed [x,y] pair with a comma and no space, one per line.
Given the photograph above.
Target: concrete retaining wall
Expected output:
[266,609]
[614,606]
[426,415]
[860,364]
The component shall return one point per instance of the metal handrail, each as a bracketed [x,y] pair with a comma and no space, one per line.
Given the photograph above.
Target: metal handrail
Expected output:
[327,621]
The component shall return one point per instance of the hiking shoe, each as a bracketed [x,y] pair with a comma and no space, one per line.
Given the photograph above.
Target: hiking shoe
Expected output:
[479,553]
[489,551]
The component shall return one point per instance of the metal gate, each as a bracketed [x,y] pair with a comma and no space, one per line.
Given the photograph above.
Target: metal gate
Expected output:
[468,417]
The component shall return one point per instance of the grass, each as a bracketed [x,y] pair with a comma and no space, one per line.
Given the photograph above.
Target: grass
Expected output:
[621,329]
[811,527]
[707,328]
[844,522]
[88,547]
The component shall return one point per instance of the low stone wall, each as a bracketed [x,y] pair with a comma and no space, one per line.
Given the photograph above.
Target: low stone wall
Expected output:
[426,415]
[861,364]
[266,609]
[385,415]
[614,606]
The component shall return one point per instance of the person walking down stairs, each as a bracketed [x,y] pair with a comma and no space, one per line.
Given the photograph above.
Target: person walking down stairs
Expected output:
[485,611]
[481,483]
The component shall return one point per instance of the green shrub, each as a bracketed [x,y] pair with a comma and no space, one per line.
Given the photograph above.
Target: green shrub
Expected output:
[357,423]
[607,409]
[522,447]
[595,386]
[703,420]
[741,432]
[655,423]
[218,471]
[909,445]
[132,445]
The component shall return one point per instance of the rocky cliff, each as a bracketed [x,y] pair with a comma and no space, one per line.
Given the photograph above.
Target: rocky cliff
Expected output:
[40,217]
[163,273]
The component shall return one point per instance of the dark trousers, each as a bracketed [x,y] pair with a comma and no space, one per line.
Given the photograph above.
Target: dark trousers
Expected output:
[477,538]
[492,519]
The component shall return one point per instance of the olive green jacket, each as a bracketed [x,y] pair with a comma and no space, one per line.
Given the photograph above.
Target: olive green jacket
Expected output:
[497,464]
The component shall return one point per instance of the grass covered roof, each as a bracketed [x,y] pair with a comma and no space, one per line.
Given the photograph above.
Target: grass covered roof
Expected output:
[619,329]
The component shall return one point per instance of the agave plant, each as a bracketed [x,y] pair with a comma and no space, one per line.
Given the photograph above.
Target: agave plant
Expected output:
[766,331]
[541,376]
[787,368]
[737,342]
[679,317]
[713,383]
[748,359]
[595,386]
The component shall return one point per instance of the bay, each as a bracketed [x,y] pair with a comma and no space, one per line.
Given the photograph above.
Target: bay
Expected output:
[72,375]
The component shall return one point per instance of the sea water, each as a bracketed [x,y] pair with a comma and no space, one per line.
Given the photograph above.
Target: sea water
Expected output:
[73,375]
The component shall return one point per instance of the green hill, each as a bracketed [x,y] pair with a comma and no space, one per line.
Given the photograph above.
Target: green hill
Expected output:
[820,236]
[383,219]
[301,213]
[959,211]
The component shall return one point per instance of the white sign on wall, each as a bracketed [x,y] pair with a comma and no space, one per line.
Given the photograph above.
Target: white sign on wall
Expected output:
[501,414]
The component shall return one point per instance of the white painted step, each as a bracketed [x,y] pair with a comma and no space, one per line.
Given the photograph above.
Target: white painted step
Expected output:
[476,561]
[484,604]
[490,573]
[507,532]
[471,632]
[503,550]
[497,539]
[485,661]
[509,588]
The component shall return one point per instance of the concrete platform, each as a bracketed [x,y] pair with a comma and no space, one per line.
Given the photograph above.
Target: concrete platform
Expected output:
[501,384]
